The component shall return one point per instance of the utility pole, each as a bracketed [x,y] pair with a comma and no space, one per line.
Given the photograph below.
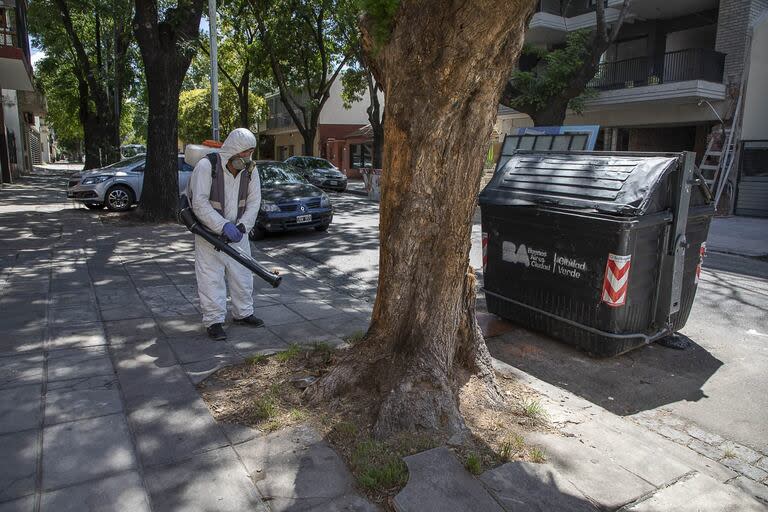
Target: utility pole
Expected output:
[214,69]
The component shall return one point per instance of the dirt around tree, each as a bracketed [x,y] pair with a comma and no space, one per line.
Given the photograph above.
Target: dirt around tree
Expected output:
[266,393]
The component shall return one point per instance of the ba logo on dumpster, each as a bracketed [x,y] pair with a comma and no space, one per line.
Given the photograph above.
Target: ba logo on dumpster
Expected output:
[616,280]
[515,254]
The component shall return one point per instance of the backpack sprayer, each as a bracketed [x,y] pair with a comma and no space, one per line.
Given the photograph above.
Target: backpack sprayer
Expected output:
[192,154]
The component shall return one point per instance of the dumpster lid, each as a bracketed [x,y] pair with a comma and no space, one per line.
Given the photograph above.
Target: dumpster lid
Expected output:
[619,183]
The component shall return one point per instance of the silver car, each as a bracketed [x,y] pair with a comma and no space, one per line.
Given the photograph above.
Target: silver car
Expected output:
[117,186]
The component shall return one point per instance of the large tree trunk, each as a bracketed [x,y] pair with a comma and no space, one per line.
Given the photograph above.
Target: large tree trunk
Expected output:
[443,69]
[167,51]
[160,194]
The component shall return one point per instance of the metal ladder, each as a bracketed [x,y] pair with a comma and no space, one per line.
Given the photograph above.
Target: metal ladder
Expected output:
[715,160]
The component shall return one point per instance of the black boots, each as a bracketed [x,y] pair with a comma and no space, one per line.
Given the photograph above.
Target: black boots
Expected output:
[216,332]
[249,320]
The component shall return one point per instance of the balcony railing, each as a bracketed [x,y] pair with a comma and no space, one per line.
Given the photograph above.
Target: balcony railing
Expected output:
[7,37]
[679,66]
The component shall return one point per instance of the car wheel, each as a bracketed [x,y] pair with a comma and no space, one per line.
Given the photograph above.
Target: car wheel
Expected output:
[322,227]
[94,206]
[119,198]
[257,234]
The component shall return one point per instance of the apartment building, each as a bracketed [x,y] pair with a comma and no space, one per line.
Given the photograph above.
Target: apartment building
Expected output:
[335,123]
[21,145]
[674,71]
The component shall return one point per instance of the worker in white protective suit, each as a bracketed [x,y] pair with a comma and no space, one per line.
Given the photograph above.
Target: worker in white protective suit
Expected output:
[226,197]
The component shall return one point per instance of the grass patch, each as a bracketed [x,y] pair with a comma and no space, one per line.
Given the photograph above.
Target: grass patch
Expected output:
[354,338]
[264,408]
[287,355]
[257,359]
[729,454]
[533,410]
[377,467]
[473,464]
[537,455]
[510,446]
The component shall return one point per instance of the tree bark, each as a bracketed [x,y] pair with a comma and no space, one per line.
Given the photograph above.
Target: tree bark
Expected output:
[167,51]
[442,69]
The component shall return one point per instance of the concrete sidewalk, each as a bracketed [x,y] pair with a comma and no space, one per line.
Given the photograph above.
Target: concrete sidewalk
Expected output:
[745,236]
[98,409]
[101,350]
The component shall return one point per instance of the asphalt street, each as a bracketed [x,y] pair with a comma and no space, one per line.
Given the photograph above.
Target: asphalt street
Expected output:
[720,384]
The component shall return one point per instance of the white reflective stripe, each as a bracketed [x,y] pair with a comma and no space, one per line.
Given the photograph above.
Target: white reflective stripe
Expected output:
[216,205]
[241,203]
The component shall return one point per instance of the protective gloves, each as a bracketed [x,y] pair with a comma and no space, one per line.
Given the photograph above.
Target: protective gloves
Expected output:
[232,233]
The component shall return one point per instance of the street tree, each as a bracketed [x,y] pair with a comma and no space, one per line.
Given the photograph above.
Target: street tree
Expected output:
[167,35]
[442,65]
[307,43]
[90,40]
[357,80]
[558,79]
[195,112]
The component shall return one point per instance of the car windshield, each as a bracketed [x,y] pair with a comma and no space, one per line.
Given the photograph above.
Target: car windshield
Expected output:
[278,174]
[128,162]
[318,163]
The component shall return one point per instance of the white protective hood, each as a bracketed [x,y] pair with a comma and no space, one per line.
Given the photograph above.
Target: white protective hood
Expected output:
[236,142]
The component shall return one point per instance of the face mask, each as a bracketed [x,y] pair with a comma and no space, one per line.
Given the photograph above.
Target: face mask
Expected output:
[239,163]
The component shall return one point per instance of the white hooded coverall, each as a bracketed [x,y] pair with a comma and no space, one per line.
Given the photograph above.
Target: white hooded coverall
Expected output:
[212,268]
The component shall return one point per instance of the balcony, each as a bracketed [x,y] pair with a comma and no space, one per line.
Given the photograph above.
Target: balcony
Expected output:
[679,66]
[15,68]
[681,75]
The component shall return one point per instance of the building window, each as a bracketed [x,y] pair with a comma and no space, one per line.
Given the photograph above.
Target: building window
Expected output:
[360,156]
[7,27]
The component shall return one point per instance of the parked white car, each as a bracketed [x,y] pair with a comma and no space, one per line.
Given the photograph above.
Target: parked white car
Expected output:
[117,186]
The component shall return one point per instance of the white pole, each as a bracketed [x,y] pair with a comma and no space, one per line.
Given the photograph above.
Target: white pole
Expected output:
[214,69]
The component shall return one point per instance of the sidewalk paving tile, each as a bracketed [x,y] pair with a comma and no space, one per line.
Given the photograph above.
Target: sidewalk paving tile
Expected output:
[84,383]
[438,482]
[18,453]
[21,370]
[123,312]
[77,336]
[313,309]
[22,342]
[119,493]
[211,482]
[759,491]
[200,348]
[20,408]
[155,386]
[175,431]
[77,315]
[248,341]
[641,456]
[65,405]
[132,330]
[305,333]
[74,363]
[523,486]
[153,353]
[296,470]
[26,504]
[698,493]
[277,315]
[71,299]
[343,325]
[86,449]
[188,325]
[589,470]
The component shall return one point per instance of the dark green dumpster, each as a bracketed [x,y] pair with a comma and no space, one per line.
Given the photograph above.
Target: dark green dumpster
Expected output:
[600,250]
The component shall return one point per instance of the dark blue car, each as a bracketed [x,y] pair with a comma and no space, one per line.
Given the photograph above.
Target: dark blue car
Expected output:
[289,202]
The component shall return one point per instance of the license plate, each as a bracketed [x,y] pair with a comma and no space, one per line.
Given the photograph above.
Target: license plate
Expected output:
[304,218]
[333,182]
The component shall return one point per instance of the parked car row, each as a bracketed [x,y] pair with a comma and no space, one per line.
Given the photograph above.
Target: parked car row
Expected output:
[291,195]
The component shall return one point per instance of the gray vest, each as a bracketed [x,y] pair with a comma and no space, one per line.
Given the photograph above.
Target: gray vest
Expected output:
[217,186]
